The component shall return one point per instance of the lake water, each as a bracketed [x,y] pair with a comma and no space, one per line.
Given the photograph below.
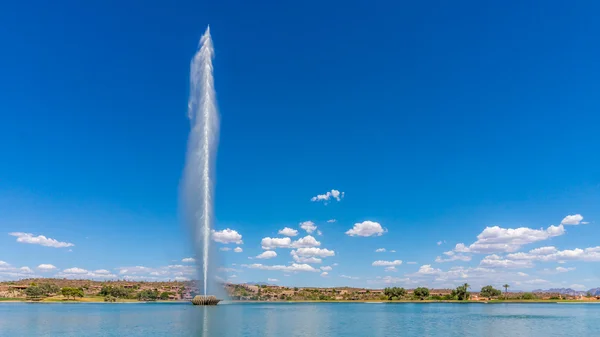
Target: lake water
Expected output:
[303,319]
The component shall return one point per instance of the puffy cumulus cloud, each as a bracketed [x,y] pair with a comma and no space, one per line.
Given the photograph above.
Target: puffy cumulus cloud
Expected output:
[45,267]
[188,260]
[495,261]
[324,274]
[288,232]
[238,250]
[507,240]
[574,219]
[366,228]
[294,267]
[11,273]
[313,251]
[426,269]
[546,254]
[80,273]
[330,195]
[308,226]
[326,268]
[227,236]
[273,243]
[391,269]
[305,242]
[269,254]
[381,263]
[380,250]
[272,280]
[40,240]
[305,259]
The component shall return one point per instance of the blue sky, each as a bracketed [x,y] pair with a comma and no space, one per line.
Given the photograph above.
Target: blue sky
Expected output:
[436,120]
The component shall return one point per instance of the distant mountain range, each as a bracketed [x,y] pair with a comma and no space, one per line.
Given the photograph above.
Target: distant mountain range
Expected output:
[569,291]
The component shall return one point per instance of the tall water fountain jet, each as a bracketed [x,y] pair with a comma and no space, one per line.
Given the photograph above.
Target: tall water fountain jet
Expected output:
[198,182]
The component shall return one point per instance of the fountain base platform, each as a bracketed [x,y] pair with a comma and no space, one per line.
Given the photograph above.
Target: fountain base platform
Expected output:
[205,300]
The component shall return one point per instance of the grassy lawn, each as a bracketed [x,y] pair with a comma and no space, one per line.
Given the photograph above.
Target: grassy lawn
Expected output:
[10,299]
[87,299]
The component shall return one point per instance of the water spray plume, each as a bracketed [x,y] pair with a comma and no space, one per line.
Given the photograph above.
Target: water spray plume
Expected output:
[198,182]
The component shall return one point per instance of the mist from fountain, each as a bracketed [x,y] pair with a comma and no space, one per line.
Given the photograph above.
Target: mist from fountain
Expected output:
[198,180]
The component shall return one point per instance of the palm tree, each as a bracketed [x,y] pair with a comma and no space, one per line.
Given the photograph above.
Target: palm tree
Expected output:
[506,286]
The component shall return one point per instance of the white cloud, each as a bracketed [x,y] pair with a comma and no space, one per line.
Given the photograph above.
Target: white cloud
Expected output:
[2,263]
[349,277]
[319,233]
[312,251]
[495,261]
[379,250]
[304,259]
[326,268]
[496,239]
[272,243]
[391,269]
[453,257]
[305,242]
[522,274]
[80,273]
[331,220]
[272,280]
[324,274]
[227,236]
[579,287]
[40,240]
[564,270]
[294,267]
[288,232]
[268,254]
[411,262]
[333,194]
[225,249]
[75,271]
[392,251]
[366,228]
[26,270]
[44,267]
[308,226]
[238,249]
[381,263]
[426,269]
[574,219]
[188,260]
[546,254]
[439,243]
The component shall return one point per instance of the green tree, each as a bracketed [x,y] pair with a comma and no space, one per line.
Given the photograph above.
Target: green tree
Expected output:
[461,293]
[164,296]
[489,292]
[528,296]
[505,286]
[148,295]
[34,293]
[72,292]
[394,293]
[421,293]
[49,288]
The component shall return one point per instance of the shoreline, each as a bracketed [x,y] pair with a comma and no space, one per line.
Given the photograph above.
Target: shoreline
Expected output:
[226,302]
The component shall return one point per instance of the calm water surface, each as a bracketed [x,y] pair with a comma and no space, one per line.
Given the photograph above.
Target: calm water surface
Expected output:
[307,319]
